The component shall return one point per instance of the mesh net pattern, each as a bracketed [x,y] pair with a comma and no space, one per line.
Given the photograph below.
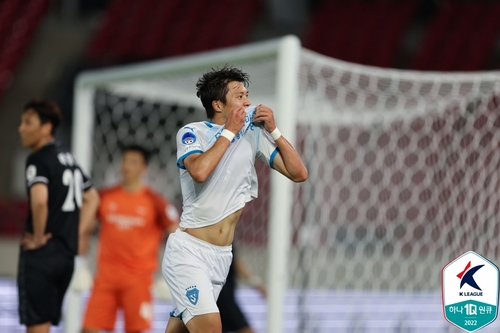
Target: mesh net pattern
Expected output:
[403,182]
[403,172]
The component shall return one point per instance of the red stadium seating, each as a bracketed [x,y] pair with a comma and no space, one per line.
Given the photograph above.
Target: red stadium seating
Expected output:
[156,30]
[482,41]
[13,214]
[358,31]
[141,30]
[18,21]
[460,37]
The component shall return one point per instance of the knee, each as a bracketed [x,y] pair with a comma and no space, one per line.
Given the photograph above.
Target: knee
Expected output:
[207,323]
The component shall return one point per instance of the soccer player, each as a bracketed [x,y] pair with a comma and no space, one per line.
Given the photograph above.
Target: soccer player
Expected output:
[232,318]
[60,195]
[133,221]
[218,177]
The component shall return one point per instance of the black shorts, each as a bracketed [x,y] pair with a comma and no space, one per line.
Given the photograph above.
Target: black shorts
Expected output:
[230,313]
[42,279]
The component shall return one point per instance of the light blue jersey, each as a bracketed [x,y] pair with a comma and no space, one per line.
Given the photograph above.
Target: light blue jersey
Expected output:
[233,182]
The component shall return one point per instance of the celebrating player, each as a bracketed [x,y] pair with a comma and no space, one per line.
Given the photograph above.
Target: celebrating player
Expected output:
[218,177]
[60,195]
[134,220]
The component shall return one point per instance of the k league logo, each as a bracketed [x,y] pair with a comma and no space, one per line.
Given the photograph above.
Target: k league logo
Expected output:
[467,277]
[470,286]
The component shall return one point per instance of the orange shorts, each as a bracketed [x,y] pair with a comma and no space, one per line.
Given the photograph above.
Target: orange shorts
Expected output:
[120,291]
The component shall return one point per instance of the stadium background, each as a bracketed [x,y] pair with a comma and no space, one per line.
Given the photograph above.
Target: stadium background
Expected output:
[45,44]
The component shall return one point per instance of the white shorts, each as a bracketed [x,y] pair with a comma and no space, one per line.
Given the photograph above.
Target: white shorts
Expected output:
[195,272]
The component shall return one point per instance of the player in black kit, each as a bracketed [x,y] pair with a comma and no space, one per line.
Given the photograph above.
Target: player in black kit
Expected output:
[61,197]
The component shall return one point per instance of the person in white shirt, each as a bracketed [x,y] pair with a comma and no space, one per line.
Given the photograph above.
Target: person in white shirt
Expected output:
[217,173]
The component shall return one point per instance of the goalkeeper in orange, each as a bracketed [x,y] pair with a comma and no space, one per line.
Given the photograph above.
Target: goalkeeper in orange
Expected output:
[133,222]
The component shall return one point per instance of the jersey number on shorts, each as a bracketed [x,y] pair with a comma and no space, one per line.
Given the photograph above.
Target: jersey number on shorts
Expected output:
[74,181]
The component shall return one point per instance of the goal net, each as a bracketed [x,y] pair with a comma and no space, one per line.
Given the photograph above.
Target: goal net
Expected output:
[402,176]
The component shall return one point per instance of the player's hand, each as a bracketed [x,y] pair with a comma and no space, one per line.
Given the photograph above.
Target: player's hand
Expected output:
[262,290]
[236,119]
[256,282]
[29,242]
[82,279]
[265,115]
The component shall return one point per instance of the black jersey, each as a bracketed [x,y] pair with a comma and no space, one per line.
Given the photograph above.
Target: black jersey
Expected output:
[66,183]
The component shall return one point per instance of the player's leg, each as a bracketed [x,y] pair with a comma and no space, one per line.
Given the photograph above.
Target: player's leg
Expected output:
[176,325]
[136,300]
[247,329]
[194,302]
[43,277]
[39,328]
[195,272]
[232,317]
[90,330]
[205,323]
[102,306]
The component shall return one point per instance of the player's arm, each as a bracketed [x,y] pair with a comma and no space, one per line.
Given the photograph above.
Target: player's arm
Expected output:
[82,276]
[88,221]
[243,271]
[39,198]
[288,161]
[167,214]
[200,166]
[171,228]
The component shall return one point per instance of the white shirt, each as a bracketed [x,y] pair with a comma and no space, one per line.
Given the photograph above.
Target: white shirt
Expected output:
[233,182]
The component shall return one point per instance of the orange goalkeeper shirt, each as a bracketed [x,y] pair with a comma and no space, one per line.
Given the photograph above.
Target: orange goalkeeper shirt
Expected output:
[132,228]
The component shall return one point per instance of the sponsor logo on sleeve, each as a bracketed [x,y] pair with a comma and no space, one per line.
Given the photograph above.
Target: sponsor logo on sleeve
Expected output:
[188,138]
[30,172]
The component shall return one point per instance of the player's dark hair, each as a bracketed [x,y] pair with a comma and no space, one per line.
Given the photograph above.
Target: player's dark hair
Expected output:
[47,111]
[146,154]
[212,86]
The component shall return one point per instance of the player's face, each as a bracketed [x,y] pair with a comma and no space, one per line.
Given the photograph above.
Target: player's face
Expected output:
[133,166]
[235,97]
[31,131]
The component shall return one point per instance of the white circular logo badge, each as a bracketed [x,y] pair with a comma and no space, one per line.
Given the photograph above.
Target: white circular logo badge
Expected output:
[30,172]
[172,212]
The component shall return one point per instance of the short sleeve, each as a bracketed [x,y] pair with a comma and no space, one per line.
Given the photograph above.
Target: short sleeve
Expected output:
[189,141]
[87,183]
[36,171]
[266,148]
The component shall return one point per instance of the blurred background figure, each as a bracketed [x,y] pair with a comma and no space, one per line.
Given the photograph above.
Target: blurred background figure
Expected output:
[60,197]
[134,221]
[232,317]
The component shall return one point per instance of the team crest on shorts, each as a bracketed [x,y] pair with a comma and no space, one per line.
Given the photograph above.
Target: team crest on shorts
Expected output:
[192,294]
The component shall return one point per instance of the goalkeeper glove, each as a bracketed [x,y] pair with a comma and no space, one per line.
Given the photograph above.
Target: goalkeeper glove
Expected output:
[82,276]
[160,290]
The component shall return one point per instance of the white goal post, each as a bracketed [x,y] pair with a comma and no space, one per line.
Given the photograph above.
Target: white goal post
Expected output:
[403,175]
